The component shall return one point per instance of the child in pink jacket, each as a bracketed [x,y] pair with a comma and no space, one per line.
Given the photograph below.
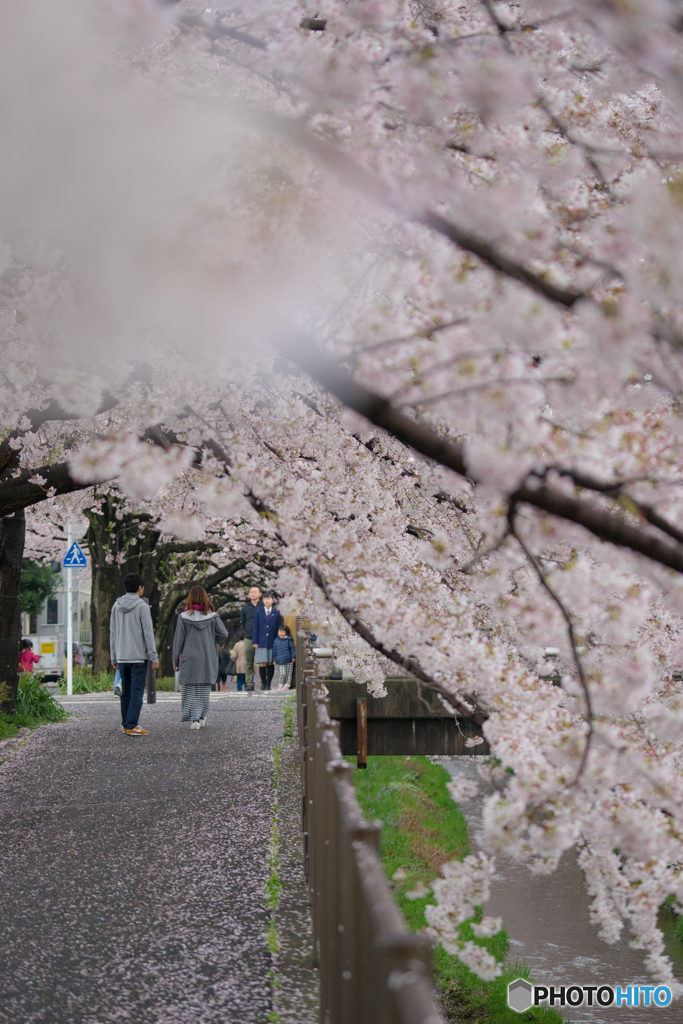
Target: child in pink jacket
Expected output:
[27,659]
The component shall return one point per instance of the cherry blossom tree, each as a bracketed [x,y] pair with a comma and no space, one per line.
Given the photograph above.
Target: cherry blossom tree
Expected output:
[168,541]
[406,278]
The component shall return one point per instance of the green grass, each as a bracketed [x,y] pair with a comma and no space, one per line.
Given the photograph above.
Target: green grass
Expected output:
[36,702]
[11,724]
[290,712]
[272,938]
[24,721]
[423,828]
[35,707]
[273,886]
[85,682]
[8,728]
[668,904]
[273,883]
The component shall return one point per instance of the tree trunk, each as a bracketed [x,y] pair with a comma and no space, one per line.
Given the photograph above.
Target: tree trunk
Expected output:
[106,580]
[12,537]
[106,587]
[166,631]
[142,557]
[118,544]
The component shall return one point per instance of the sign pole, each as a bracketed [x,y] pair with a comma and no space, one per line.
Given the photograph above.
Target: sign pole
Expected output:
[74,557]
[69,624]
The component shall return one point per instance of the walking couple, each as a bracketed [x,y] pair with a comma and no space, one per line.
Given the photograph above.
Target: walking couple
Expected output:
[199,629]
[267,641]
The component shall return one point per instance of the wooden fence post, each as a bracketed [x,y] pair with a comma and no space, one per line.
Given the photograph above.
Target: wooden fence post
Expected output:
[362,731]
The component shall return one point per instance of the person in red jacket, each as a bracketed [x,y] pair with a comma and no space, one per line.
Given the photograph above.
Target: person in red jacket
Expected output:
[27,659]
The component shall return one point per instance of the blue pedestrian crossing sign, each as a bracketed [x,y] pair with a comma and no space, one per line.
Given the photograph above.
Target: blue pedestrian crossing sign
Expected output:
[74,558]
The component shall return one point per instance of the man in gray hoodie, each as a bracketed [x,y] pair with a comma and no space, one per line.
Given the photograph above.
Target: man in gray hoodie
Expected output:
[131,643]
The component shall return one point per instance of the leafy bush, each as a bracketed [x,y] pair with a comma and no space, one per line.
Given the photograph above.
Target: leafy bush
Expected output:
[35,701]
[85,682]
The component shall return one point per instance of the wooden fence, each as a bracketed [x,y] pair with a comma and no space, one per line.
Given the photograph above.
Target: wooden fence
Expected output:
[373,970]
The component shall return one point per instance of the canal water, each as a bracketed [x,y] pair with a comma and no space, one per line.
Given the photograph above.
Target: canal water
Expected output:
[547,918]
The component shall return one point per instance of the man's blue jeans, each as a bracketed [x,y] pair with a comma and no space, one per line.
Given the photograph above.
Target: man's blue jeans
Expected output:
[133,678]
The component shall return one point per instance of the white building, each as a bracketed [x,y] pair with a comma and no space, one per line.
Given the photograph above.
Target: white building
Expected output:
[52,618]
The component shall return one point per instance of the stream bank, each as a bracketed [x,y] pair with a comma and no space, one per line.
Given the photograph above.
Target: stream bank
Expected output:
[422,830]
[547,918]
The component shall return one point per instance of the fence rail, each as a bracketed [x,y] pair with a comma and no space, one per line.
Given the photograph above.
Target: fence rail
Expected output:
[373,970]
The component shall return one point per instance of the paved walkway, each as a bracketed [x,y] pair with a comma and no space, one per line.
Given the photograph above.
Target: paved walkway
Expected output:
[132,869]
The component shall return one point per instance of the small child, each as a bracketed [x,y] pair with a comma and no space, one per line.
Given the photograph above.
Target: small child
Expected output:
[240,664]
[284,653]
[223,664]
[27,659]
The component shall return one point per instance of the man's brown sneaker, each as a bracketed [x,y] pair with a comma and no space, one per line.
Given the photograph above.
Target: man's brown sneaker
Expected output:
[137,731]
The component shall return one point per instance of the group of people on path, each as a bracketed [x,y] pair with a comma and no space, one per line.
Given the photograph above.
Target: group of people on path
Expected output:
[199,634]
[266,642]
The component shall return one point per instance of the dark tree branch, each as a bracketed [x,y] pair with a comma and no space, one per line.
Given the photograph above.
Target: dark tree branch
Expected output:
[497,260]
[368,184]
[375,408]
[307,401]
[18,492]
[259,506]
[409,664]
[54,412]
[602,524]
[450,454]
[442,497]
[208,582]
[185,547]
[177,593]
[425,332]
[617,492]
[571,636]
[220,31]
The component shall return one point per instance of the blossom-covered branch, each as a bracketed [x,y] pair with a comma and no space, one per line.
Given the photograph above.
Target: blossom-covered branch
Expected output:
[411,666]
[450,454]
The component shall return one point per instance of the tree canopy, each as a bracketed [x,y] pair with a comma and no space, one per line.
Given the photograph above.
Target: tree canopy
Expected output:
[39,581]
[391,292]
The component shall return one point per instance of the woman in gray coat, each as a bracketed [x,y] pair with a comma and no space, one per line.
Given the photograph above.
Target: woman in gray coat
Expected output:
[195,655]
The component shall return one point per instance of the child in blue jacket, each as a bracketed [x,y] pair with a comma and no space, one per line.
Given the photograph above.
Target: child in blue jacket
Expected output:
[284,653]
[267,621]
